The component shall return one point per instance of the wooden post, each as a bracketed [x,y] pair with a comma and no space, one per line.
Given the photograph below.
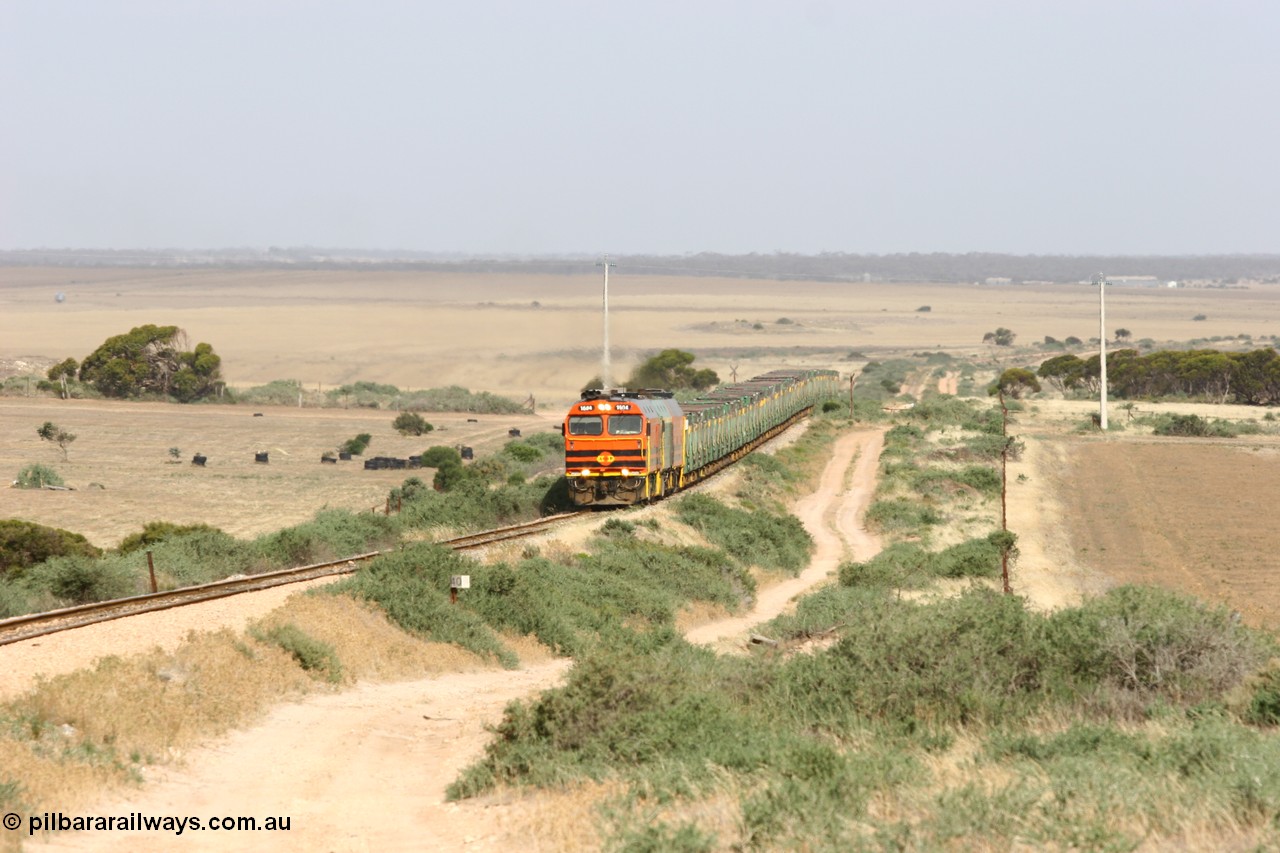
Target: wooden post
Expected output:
[151,568]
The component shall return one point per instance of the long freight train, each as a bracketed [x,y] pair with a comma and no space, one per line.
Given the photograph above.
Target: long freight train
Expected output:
[629,447]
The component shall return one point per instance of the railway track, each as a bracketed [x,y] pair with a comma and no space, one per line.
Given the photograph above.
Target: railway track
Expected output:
[20,628]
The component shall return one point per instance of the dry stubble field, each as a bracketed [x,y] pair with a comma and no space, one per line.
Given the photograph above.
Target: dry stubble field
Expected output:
[1165,505]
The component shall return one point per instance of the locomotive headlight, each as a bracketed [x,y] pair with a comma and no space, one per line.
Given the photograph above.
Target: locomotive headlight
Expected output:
[626,472]
[586,472]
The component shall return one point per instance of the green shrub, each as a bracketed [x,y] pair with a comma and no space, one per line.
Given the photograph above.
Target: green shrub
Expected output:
[203,554]
[974,658]
[81,580]
[37,476]
[937,481]
[15,600]
[1152,643]
[412,587]
[976,558]
[451,475]
[410,490]
[411,423]
[624,708]
[357,445]
[757,538]
[155,532]
[1198,427]
[330,535]
[902,516]
[819,613]
[1264,700]
[279,392]
[901,565]
[455,398]
[967,414]
[438,456]
[312,655]
[522,452]
[24,544]
[616,527]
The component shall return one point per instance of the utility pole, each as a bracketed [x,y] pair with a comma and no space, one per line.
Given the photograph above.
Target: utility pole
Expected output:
[605,379]
[1102,350]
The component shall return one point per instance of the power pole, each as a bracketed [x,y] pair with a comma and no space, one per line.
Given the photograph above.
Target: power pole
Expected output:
[1102,350]
[605,379]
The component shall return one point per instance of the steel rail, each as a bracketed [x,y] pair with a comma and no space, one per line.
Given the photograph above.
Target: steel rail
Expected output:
[29,626]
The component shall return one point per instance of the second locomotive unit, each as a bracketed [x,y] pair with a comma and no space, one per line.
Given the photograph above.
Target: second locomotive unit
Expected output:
[629,447]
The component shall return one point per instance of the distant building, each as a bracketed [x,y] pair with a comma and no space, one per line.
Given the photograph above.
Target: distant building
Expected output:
[998,281]
[1134,280]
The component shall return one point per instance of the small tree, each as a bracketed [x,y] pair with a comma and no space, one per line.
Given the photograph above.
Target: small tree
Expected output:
[63,371]
[1001,337]
[671,369]
[175,453]
[1123,334]
[411,423]
[56,434]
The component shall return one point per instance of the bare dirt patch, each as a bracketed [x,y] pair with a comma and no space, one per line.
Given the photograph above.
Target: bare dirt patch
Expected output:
[1193,516]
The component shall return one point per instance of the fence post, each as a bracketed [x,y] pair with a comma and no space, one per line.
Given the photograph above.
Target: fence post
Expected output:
[151,569]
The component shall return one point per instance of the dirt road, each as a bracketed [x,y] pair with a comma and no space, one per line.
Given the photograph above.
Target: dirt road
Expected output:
[367,769]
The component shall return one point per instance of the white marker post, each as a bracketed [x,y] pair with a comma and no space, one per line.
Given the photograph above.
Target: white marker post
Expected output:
[457,582]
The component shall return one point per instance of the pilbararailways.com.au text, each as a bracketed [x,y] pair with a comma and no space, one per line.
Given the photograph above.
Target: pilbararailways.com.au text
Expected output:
[139,822]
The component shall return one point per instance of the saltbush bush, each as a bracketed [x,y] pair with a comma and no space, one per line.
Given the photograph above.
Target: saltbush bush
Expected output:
[757,538]
[902,516]
[330,535]
[24,544]
[81,579]
[155,532]
[37,476]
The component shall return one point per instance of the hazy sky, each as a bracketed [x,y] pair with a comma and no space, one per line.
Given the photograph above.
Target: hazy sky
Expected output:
[543,126]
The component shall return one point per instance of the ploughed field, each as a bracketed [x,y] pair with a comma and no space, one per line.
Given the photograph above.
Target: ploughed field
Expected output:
[1194,515]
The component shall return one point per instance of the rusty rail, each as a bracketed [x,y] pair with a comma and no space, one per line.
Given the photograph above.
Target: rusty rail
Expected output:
[18,628]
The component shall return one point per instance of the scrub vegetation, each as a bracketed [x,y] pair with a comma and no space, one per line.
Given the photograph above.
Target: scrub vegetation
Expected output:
[950,720]
[40,568]
[907,706]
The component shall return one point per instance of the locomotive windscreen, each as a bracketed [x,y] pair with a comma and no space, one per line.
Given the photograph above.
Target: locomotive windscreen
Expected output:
[586,425]
[626,425]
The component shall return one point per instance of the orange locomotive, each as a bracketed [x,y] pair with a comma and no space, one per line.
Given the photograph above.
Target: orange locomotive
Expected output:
[629,447]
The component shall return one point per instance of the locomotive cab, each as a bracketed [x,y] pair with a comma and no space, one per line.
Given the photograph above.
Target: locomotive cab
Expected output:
[615,446]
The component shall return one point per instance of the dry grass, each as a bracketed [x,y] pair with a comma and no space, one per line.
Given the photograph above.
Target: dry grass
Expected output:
[151,704]
[98,728]
[368,645]
[124,447]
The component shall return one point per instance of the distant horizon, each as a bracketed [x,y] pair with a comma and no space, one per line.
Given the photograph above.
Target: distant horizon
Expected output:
[571,255]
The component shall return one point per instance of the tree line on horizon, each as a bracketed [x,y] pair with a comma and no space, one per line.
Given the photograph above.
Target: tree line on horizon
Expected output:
[824,266]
